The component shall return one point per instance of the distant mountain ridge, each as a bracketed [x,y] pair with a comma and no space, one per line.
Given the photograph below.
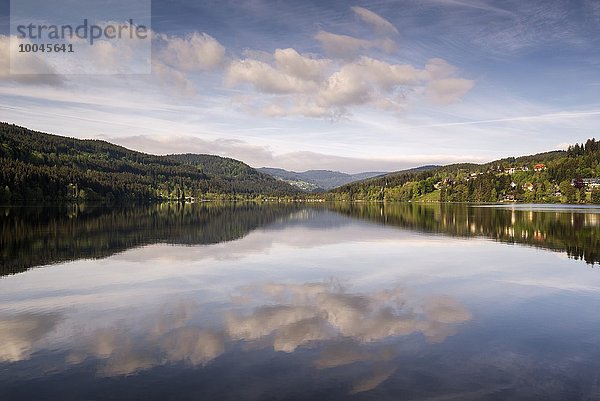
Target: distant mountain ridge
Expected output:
[324,180]
[317,180]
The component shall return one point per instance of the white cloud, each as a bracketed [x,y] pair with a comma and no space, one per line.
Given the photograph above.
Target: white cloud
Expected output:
[31,68]
[341,45]
[195,52]
[126,55]
[345,46]
[274,110]
[266,78]
[173,81]
[366,80]
[106,54]
[304,67]
[448,90]
[324,88]
[315,87]
[380,23]
[308,109]
[286,82]
[345,88]
[438,68]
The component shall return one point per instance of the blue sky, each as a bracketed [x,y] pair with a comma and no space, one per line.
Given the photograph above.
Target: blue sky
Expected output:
[350,86]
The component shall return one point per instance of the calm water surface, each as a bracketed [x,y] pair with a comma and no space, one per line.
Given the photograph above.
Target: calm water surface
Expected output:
[295,302]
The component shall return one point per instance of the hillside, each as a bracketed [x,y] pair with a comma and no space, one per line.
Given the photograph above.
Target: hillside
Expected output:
[571,176]
[317,180]
[43,167]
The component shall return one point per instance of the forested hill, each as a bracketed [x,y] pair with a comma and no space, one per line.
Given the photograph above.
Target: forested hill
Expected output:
[571,176]
[43,167]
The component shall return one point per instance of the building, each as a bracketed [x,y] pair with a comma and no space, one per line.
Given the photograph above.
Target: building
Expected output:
[539,167]
[512,170]
[528,186]
[591,182]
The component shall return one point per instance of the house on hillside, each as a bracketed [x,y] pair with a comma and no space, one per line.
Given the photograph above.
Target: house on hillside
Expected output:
[528,187]
[539,167]
[512,170]
[557,191]
[591,182]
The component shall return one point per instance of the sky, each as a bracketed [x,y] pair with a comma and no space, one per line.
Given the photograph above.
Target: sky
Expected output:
[376,85]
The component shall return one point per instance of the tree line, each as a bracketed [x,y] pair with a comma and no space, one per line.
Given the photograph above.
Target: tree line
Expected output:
[552,177]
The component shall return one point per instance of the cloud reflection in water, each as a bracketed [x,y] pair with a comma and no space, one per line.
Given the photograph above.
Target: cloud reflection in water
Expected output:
[342,326]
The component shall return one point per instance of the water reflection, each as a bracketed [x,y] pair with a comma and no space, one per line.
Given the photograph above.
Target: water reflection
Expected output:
[280,317]
[303,303]
[22,333]
[297,314]
[32,237]
[570,229]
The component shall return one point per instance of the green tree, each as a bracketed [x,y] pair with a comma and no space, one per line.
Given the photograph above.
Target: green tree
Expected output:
[582,195]
[568,191]
[5,195]
[596,196]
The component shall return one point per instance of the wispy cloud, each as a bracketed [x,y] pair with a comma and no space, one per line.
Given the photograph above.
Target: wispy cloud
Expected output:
[380,23]
[347,47]
[475,4]
[541,117]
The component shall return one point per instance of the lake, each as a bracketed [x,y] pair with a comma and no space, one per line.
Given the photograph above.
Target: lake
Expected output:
[300,302]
